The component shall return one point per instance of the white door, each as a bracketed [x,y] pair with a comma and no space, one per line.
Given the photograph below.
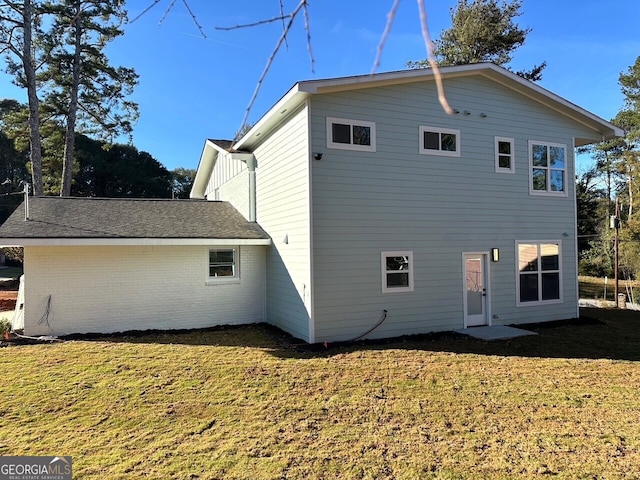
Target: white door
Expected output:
[475,289]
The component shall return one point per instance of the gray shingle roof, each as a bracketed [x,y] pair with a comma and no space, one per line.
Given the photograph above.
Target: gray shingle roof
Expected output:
[74,217]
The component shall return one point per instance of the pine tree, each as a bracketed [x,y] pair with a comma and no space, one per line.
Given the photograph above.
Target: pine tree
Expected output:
[19,21]
[87,93]
[482,31]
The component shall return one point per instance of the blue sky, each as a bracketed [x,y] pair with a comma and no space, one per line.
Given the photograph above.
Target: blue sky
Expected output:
[193,88]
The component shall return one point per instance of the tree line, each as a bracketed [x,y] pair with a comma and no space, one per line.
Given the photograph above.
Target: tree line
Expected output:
[77,105]
[100,169]
[614,176]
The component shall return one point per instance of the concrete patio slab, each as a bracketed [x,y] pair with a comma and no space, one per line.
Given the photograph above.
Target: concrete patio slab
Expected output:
[494,332]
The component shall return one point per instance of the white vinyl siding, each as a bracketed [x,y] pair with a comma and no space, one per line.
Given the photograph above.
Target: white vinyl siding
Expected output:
[224,170]
[282,182]
[394,200]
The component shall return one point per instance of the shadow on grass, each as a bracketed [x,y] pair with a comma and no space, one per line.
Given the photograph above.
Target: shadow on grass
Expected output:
[597,334]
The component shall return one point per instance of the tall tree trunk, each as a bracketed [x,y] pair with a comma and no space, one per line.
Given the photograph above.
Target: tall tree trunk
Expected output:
[70,134]
[35,147]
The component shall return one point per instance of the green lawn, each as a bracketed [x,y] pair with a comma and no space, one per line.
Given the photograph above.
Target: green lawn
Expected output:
[246,403]
[595,288]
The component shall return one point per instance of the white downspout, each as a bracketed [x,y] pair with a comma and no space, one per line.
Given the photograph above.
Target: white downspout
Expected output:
[251,165]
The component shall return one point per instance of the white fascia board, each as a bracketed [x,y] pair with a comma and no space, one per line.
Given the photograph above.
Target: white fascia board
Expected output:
[276,114]
[52,242]
[205,167]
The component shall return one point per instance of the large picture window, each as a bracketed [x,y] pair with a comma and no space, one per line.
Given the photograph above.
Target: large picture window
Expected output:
[397,272]
[439,141]
[548,164]
[539,273]
[351,134]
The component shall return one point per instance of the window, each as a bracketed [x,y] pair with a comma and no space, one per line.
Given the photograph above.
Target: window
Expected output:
[539,273]
[548,162]
[223,264]
[505,161]
[351,134]
[439,141]
[397,272]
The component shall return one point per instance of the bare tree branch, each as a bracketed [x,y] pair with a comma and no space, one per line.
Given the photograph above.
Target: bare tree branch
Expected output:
[155,2]
[390,18]
[307,29]
[432,61]
[260,22]
[173,2]
[286,42]
[195,20]
[292,17]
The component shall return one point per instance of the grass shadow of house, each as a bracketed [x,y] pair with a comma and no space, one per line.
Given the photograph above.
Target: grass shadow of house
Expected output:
[599,334]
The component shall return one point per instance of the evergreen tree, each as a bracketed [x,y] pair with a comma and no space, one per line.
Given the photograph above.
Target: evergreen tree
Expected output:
[106,170]
[617,161]
[482,31]
[87,92]
[19,21]
[182,181]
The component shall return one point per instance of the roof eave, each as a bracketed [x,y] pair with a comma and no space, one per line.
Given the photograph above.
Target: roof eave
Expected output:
[123,242]
[278,113]
[205,167]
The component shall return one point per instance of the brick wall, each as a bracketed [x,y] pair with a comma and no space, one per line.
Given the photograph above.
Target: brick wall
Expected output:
[111,289]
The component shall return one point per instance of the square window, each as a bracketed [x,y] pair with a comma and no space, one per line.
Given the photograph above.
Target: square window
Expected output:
[223,264]
[504,162]
[341,133]
[432,140]
[397,271]
[448,142]
[361,135]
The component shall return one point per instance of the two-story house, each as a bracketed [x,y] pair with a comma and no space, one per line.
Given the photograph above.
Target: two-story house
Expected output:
[363,204]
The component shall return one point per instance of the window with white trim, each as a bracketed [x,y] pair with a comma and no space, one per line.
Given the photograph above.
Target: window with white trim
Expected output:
[223,264]
[505,160]
[397,271]
[351,134]
[548,168]
[539,272]
[439,141]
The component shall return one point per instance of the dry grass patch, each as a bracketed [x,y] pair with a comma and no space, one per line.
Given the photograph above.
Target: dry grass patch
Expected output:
[242,403]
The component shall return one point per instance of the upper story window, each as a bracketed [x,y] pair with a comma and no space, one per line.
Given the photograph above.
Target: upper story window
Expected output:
[397,272]
[505,160]
[351,134]
[439,141]
[539,276]
[548,164]
[223,265]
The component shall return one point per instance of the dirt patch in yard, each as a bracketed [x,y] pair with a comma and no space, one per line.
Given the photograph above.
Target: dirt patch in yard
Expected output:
[8,300]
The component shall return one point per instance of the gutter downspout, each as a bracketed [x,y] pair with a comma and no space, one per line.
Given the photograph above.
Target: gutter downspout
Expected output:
[251,165]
